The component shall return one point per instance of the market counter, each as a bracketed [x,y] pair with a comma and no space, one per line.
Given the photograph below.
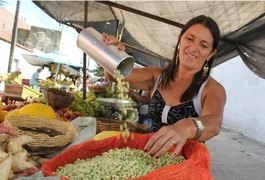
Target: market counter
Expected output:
[20,92]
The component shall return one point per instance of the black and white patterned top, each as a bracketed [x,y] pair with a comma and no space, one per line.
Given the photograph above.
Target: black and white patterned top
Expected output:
[163,114]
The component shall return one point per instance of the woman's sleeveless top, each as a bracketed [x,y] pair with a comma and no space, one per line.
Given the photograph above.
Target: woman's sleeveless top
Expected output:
[163,114]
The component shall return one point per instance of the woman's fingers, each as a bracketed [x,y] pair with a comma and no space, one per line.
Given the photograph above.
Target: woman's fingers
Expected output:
[154,139]
[162,145]
[109,39]
[112,40]
[162,141]
[178,148]
[159,143]
[121,46]
[160,151]
[104,36]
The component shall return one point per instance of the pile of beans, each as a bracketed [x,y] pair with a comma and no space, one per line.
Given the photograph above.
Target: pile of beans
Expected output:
[122,86]
[118,164]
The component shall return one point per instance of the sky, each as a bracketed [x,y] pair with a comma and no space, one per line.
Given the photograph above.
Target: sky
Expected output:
[36,17]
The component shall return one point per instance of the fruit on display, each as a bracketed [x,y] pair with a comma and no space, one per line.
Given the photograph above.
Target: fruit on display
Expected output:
[3,114]
[38,109]
[47,84]
[106,134]
[66,114]
[14,112]
[35,110]
[9,110]
[10,107]
[16,105]
[90,107]
[54,84]
[1,105]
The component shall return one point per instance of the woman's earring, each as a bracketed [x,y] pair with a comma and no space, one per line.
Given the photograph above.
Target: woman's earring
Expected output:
[177,57]
[205,68]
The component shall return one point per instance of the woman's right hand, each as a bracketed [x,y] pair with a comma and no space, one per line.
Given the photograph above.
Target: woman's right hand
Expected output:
[112,40]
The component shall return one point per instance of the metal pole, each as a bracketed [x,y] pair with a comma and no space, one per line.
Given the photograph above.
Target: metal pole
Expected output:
[14,38]
[84,54]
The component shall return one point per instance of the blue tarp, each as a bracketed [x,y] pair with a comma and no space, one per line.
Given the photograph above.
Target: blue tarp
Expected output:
[47,58]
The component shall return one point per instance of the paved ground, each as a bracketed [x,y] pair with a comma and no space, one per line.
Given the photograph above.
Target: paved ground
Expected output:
[236,157]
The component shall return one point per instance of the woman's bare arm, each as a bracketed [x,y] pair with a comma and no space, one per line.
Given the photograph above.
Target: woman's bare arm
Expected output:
[212,110]
[140,78]
[140,98]
[214,98]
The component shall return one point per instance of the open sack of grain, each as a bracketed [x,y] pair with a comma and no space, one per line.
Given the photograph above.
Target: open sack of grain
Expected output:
[195,166]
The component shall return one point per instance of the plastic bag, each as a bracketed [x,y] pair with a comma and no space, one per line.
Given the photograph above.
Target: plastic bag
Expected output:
[88,126]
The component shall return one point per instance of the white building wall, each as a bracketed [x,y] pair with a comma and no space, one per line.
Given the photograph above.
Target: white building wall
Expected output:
[245,106]
[27,69]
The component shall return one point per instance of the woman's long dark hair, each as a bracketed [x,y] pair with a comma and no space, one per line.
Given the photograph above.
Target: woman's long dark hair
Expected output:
[169,72]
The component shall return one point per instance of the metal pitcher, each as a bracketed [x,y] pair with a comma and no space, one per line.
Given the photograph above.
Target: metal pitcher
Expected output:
[108,56]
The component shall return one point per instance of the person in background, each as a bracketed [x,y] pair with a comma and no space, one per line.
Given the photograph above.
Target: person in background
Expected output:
[79,83]
[15,77]
[65,79]
[51,77]
[88,82]
[102,82]
[34,80]
[73,79]
[186,102]
[142,98]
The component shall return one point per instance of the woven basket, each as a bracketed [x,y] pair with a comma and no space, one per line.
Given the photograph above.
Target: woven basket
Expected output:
[49,136]
[59,98]
[114,125]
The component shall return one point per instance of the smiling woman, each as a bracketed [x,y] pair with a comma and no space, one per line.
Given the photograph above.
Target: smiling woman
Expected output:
[186,102]
[197,43]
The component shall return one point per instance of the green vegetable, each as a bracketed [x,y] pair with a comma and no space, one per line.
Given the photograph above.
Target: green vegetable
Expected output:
[117,164]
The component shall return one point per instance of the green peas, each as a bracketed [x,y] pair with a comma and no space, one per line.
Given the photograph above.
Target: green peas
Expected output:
[117,164]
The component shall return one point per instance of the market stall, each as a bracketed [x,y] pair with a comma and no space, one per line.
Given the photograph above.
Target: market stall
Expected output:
[58,63]
[48,128]
[45,156]
[67,129]
[81,138]
[19,92]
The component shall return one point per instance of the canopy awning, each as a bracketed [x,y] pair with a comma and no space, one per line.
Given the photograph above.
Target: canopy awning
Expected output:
[47,58]
[150,28]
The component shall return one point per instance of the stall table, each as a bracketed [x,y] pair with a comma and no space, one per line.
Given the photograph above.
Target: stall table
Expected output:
[19,92]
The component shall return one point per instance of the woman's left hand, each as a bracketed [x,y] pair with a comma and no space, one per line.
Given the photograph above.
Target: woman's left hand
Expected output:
[112,40]
[167,137]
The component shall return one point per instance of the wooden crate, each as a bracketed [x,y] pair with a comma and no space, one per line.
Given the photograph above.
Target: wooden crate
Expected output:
[20,91]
